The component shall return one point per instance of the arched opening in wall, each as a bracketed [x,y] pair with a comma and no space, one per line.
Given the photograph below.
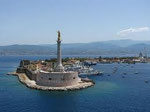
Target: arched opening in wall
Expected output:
[50,78]
[74,78]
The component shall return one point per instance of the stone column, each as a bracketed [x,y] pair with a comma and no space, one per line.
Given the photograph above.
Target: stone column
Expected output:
[59,66]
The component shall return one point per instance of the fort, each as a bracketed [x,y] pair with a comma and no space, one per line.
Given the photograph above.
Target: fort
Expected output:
[54,77]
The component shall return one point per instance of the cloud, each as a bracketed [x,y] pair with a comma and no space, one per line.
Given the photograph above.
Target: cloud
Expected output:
[132,30]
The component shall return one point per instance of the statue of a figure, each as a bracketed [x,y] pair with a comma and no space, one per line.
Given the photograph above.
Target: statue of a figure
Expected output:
[58,34]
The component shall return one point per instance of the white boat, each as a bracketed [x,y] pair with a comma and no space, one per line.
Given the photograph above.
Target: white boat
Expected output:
[82,70]
[90,72]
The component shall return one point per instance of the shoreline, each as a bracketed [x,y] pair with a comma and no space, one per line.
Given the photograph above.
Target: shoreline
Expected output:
[32,84]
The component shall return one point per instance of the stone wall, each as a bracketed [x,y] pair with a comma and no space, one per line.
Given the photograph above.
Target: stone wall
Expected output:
[20,70]
[31,75]
[24,63]
[56,79]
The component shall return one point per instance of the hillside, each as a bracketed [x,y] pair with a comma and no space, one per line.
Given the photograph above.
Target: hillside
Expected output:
[112,47]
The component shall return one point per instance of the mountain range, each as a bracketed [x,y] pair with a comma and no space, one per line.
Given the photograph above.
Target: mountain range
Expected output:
[111,47]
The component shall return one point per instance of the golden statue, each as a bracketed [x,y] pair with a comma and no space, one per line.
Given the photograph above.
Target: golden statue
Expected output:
[58,34]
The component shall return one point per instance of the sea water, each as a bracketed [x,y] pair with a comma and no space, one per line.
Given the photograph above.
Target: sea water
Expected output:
[122,91]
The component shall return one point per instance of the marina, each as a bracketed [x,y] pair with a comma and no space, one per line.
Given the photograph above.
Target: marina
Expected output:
[83,69]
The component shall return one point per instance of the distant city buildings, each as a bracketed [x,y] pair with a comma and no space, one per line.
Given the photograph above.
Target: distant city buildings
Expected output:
[142,58]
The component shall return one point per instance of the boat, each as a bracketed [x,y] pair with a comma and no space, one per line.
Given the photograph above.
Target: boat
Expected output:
[89,63]
[124,73]
[82,70]
[136,73]
[88,72]
[123,76]
[115,70]
[146,81]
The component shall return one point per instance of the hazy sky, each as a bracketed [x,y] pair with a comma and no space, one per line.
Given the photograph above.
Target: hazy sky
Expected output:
[36,21]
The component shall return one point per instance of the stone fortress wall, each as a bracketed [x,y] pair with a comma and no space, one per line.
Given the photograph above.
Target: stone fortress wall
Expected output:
[22,69]
[52,79]
[57,79]
[30,74]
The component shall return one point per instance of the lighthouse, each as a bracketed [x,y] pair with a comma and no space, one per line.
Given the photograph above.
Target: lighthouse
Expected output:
[59,66]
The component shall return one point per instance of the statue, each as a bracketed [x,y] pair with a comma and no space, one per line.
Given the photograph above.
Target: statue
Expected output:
[58,34]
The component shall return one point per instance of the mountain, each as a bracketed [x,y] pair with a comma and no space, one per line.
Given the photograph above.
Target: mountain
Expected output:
[112,47]
[125,42]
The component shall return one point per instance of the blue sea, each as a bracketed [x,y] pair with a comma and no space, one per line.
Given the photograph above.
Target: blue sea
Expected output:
[113,92]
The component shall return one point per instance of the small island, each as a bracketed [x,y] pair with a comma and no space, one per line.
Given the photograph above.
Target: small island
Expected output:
[52,77]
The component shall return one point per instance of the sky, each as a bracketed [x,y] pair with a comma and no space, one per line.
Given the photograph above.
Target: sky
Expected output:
[79,21]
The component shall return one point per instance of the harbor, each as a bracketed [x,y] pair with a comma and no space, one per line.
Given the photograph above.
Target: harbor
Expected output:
[113,89]
[74,56]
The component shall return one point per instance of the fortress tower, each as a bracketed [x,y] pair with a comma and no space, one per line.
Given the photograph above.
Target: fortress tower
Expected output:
[59,77]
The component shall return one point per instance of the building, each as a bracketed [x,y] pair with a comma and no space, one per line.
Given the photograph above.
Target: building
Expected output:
[142,58]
